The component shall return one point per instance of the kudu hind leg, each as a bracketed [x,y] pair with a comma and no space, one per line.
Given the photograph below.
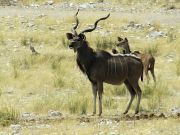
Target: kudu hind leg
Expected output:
[138,92]
[152,73]
[94,90]
[132,94]
[147,75]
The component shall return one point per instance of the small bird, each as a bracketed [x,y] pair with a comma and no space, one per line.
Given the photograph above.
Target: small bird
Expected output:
[114,51]
[34,52]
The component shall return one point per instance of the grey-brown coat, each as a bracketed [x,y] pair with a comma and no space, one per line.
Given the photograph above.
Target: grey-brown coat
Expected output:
[101,66]
[147,58]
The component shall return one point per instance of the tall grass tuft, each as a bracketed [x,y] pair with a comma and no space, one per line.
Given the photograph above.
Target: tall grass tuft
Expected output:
[84,106]
[25,41]
[15,68]
[73,105]
[2,41]
[152,49]
[56,65]
[104,43]
[77,104]
[178,67]
[58,80]
[47,102]
[155,93]
[109,103]
[0,92]
[171,35]
[64,41]
[8,116]
[118,91]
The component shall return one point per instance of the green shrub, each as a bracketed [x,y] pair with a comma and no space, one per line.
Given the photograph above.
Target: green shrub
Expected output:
[171,35]
[109,103]
[155,93]
[118,91]
[2,39]
[84,106]
[178,67]
[73,105]
[104,43]
[25,41]
[58,80]
[15,68]
[64,41]
[152,49]
[8,116]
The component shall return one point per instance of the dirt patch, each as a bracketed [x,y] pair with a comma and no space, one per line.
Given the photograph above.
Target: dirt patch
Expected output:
[102,119]
[131,117]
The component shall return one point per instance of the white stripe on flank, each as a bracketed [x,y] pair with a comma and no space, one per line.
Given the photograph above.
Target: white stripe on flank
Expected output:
[114,64]
[126,65]
[121,64]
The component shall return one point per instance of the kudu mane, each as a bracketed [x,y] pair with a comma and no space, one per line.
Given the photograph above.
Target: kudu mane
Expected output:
[88,60]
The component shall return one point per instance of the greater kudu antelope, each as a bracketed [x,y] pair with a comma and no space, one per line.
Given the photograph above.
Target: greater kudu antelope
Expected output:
[147,58]
[101,66]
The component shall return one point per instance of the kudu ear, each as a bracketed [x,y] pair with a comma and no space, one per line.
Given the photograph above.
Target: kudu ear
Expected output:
[82,36]
[119,39]
[69,36]
[125,39]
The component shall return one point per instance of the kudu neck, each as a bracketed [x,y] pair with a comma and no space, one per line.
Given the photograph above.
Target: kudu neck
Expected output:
[85,57]
[84,50]
[127,49]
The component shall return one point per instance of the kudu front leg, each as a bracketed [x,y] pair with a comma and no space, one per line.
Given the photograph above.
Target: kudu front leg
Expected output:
[100,92]
[94,90]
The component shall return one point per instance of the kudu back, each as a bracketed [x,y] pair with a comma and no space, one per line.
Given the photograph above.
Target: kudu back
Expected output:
[147,58]
[102,67]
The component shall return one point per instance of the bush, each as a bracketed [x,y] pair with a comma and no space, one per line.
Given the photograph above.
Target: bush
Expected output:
[152,49]
[154,93]
[119,91]
[178,67]
[109,103]
[104,43]
[84,106]
[73,105]
[8,116]
[64,41]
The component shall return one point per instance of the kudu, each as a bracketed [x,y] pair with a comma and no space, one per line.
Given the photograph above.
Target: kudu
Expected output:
[147,59]
[102,67]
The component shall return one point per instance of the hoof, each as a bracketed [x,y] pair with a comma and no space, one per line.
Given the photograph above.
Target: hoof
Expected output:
[99,114]
[93,114]
[125,112]
[136,112]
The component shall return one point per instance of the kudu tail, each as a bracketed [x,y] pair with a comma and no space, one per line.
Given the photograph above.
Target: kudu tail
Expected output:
[142,73]
[142,77]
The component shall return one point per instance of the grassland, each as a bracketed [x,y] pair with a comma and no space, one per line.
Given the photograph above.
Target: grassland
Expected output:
[52,81]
